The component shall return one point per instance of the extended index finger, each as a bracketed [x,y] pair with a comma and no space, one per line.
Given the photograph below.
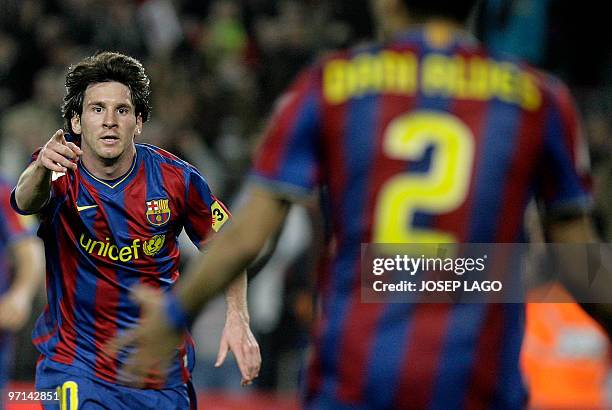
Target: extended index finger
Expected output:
[59,137]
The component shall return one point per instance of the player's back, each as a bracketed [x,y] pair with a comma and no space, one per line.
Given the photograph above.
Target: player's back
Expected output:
[429,138]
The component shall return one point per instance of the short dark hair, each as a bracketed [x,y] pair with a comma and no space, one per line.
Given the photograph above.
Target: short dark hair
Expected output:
[104,67]
[457,10]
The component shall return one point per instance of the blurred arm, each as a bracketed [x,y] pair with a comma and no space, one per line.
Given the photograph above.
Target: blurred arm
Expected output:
[232,250]
[580,231]
[575,230]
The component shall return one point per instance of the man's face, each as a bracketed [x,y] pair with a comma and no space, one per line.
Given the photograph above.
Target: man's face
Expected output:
[108,123]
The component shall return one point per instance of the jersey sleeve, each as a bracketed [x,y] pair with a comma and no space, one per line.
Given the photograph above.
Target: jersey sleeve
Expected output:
[205,214]
[287,160]
[564,185]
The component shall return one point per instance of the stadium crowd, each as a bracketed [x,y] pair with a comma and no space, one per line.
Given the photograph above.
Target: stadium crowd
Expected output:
[216,68]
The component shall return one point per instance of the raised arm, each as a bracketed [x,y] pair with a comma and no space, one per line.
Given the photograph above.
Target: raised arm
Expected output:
[34,185]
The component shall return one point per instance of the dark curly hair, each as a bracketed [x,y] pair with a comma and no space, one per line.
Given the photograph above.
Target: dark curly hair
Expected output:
[104,67]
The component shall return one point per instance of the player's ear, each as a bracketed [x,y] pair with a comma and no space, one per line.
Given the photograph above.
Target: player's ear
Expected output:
[75,121]
[138,125]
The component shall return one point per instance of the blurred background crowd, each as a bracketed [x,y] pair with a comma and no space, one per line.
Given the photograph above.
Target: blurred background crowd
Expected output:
[216,67]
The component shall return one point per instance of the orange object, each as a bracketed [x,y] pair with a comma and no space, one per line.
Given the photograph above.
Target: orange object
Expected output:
[564,356]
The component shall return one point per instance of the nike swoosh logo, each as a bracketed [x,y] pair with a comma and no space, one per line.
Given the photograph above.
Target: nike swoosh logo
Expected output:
[82,208]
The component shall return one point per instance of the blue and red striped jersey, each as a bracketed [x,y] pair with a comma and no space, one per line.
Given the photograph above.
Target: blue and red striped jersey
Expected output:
[102,238]
[426,138]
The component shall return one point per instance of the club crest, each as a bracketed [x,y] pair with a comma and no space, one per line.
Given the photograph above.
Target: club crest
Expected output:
[158,212]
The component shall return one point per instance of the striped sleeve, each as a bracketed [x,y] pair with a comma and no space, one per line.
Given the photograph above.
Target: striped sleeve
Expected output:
[204,213]
[564,187]
[287,159]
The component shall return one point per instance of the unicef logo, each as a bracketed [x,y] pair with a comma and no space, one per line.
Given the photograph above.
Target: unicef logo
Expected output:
[153,245]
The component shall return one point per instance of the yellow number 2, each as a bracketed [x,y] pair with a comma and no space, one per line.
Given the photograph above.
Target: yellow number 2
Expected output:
[441,189]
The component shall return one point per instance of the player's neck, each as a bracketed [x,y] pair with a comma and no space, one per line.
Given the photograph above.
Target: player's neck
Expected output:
[109,169]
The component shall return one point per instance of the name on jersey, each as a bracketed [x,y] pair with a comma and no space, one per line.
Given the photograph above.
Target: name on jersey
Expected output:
[106,249]
[437,75]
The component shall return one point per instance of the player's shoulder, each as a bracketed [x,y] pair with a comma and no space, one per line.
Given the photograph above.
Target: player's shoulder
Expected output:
[158,160]
[157,156]
[546,79]
[552,88]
